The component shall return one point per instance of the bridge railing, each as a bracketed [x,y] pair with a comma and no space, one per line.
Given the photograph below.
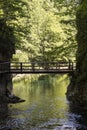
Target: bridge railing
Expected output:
[36,66]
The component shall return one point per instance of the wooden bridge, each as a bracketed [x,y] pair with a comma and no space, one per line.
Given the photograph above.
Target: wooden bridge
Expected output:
[37,67]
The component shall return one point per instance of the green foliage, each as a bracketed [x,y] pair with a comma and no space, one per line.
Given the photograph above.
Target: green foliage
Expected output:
[7,39]
[11,13]
[50,30]
[44,29]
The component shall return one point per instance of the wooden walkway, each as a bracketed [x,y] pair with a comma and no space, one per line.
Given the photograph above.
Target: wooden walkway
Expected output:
[37,67]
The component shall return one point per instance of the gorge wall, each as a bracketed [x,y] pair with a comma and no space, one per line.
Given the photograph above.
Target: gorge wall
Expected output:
[77,90]
[7,49]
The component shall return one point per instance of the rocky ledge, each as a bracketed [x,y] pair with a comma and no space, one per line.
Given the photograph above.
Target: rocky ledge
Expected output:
[10,99]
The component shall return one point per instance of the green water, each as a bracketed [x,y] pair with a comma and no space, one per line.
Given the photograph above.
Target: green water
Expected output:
[45,101]
[45,108]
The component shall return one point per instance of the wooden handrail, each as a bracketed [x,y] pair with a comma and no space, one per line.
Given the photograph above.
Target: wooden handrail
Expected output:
[27,67]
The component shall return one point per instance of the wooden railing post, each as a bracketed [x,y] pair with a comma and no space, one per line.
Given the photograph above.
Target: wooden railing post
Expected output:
[69,65]
[59,65]
[9,67]
[21,67]
[33,66]
[56,65]
[72,65]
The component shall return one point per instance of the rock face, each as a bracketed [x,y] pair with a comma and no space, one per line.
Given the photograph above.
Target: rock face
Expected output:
[6,85]
[77,94]
[7,49]
[5,79]
[77,90]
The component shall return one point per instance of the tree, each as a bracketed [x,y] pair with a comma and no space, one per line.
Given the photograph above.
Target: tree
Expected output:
[11,13]
[43,30]
[67,13]
[50,31]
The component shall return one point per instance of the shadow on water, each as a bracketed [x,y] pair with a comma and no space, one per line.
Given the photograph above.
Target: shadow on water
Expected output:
[3,111]
[4,116]
[78,116]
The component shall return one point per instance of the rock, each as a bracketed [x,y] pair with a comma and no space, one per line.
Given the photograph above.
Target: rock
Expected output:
[67,127]
[10,99]
[15,99]
[6,128]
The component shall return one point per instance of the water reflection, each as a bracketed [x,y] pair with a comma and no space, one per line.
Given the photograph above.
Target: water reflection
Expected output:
[46,107]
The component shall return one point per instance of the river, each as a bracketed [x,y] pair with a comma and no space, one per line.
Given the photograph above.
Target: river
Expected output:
[45,108]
